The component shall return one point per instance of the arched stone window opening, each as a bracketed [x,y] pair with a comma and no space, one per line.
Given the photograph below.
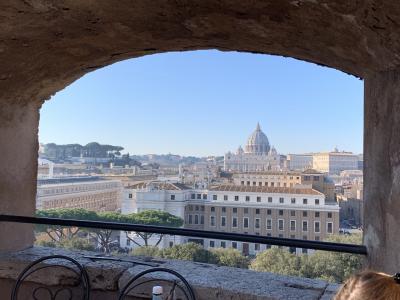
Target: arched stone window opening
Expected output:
[196,98]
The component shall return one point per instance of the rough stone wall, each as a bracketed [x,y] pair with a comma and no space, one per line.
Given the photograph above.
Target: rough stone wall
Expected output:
[382,171]
[46,45]
[208,281]
[18,156]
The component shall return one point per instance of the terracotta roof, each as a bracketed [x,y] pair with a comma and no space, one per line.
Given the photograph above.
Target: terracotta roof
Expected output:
[289,173]
[139,185]
[159,185]
[181,186]
[311,171]
[335,153]
[264,189]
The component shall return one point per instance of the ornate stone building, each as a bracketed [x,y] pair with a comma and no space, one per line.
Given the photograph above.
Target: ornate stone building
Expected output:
[258,155]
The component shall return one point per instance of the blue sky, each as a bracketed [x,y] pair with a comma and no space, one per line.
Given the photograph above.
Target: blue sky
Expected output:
[206,103]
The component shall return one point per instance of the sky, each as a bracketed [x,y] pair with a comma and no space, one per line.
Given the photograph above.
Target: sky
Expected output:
[206,103]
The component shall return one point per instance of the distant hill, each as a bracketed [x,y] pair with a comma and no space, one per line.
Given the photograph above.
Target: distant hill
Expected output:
[65,153]
[166,159]
[58,153]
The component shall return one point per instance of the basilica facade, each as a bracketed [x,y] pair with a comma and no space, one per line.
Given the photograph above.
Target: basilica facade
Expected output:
[257,156]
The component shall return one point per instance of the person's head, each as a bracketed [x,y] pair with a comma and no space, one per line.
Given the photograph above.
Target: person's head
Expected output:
[369,285]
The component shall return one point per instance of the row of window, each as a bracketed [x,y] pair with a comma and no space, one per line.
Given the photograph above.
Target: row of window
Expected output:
[195,207]
[257,211]
[268,184]
[278,184]
[259,199]
[271,177]
[197,196]
[308,178]
[269,224]
[75,188]
[195,219]
[192,196]
[92,197]
[99,204]
[281,200]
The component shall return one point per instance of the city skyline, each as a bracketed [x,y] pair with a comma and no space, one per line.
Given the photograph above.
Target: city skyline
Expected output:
[219,155]
[141,105]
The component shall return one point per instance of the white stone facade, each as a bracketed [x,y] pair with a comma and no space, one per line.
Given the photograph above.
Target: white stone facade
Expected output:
[168,197]
[257,156]
[335,162]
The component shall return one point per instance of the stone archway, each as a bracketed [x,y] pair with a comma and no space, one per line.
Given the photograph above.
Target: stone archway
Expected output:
[44,46]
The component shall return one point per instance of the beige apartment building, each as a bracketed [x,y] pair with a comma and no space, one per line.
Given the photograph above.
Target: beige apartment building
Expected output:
[267,178]
[307,179]
[298,213]
[91,193]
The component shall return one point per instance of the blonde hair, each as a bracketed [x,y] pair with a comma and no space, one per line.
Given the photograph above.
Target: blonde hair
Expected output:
[369,285]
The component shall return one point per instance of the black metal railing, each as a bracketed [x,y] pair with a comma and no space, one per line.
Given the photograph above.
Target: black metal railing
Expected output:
[315,245]
[46,292]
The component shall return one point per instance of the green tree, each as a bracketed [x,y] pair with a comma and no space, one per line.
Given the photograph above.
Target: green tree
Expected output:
[64,235]
[151,217]
[329,266]
[78,243]
[230,257]
[64,152]
[195,252]
[150,251]
[72,243]
[189,251]
[277,260]
[335,266]
[43,243]
[105,237]
[60,233]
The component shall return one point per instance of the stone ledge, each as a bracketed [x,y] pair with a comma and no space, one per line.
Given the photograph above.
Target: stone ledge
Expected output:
[208,281]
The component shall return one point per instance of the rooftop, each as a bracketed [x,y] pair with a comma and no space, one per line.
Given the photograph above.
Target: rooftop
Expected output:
[341,153]
[160,186]
[311,171]
[61,180]
[290,173]
[265,189]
